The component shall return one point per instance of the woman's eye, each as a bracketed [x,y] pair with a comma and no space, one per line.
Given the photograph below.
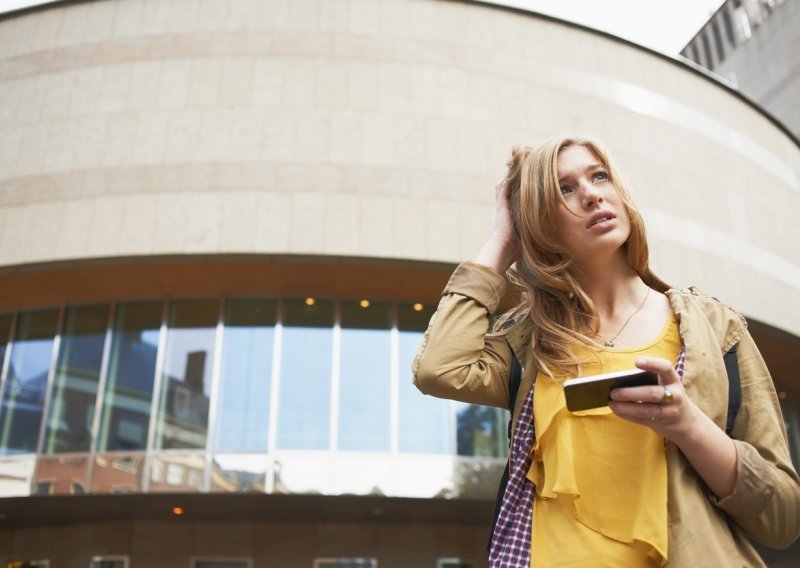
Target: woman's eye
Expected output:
[565,189]
[600,176]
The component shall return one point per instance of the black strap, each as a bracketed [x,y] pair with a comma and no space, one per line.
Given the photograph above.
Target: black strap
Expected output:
[734,389]
[514,380]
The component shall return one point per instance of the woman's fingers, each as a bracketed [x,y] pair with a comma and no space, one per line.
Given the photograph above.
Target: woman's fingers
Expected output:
[662,407]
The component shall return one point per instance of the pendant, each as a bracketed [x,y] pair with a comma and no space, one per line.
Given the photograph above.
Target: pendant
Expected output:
[609,344]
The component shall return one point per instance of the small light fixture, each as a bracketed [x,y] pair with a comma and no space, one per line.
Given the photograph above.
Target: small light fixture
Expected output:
[177,511]
[418,307]
[364,303]
[310,301]
[782,395]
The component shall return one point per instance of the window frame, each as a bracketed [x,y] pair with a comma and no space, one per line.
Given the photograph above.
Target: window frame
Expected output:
[248,561]
[111,558]
[370,562]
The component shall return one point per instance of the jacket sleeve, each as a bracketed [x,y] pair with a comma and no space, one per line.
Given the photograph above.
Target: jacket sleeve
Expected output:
[766,499]
[458,359]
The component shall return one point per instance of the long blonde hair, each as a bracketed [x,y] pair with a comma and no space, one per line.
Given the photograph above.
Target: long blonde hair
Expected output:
[562,314]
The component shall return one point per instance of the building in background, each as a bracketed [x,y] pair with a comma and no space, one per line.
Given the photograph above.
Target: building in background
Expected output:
[755,46]
[223,228]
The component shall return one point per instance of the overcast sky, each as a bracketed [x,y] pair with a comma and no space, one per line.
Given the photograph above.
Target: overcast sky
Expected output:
[663,25]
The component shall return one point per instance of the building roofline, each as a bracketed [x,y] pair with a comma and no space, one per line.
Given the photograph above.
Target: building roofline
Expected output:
[679,60]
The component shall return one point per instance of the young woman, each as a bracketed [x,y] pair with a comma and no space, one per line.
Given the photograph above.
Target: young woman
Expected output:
[652,478]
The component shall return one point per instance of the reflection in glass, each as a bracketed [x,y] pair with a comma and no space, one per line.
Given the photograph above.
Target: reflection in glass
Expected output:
[177,473]
[345,563]
[186,378]
[239,473]
[481,431]
[72,404]
[244,392]
[132,367]
[117,473]
[5,334]
[222,563]
[109,562]
[477,479]
[305,387]
[424,421]
[26,383]
[365,374]
[62,475]
[17,476]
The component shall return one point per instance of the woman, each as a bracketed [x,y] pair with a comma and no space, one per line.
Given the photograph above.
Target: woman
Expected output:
[651,479]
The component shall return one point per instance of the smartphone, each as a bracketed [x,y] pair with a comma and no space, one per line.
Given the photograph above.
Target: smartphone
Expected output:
[594,391]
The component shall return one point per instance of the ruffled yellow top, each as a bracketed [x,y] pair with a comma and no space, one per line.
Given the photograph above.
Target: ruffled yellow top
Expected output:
[601,481]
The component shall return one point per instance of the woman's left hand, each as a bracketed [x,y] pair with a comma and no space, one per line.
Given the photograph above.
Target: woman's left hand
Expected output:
[665,408]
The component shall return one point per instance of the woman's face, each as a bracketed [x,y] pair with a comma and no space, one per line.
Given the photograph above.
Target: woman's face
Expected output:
[593,221]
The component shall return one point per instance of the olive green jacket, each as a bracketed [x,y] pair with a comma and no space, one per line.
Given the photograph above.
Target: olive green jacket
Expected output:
[459,360]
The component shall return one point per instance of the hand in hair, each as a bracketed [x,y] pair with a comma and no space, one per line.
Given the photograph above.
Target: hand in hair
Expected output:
[502,248]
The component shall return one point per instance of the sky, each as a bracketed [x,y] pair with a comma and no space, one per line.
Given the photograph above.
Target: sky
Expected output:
[663,25]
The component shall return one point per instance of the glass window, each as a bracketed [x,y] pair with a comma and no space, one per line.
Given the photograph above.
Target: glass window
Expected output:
[186,378]
[707,50]
[5,335]
[26,383]
[222,563]
[241,473]
[481,431]
[454,563]
[695,54]
[72,403]
[365,376]
[63,475]
[728,23]
[109,562]
[177,473]
[424,421]
[717,40]
[305,387]
[244,392]
[131,372]
[345,563]
[118,473]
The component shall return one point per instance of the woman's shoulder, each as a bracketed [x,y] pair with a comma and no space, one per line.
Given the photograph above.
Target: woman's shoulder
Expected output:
[693,302]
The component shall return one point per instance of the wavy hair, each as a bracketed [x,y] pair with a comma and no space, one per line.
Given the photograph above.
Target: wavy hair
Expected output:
[563,315]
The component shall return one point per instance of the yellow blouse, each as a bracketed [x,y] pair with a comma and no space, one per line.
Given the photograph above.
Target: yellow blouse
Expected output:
[601,481]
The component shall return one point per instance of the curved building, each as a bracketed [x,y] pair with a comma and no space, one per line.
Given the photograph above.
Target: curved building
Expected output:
[224,225]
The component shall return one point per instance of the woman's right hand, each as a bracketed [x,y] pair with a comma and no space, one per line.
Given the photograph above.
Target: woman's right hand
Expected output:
[503,248]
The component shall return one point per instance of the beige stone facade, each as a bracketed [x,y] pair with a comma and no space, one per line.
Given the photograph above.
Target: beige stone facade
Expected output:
[378,129]
[159,148]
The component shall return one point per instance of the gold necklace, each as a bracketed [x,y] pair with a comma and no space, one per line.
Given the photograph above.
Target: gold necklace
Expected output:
[610,342]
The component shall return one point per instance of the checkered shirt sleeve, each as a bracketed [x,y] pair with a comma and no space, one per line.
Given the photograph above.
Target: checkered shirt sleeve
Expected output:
[511,541]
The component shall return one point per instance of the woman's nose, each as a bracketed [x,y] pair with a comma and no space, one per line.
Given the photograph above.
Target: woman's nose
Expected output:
[591,195]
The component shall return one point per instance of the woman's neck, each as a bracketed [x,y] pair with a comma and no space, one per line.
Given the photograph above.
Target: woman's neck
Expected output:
[612,285]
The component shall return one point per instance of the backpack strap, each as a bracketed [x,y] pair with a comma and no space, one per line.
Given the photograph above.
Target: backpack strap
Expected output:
[734,389]
[514,380]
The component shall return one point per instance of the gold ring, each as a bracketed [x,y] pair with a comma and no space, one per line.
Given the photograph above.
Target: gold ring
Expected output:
[667,398]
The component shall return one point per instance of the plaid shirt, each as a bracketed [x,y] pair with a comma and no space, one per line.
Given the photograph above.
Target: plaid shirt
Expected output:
[511,540]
